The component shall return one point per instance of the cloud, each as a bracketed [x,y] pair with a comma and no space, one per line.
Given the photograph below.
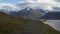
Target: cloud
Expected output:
[8,7]
[46,4]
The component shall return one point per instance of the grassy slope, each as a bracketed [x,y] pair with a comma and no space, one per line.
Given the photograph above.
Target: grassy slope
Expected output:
[9,24]
[48,29]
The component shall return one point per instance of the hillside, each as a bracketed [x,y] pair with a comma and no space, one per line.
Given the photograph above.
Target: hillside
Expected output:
[52,15]
[10,24]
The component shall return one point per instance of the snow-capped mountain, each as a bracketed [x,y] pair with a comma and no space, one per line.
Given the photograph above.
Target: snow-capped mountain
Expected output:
[7,8]
[24,11]
[28,13]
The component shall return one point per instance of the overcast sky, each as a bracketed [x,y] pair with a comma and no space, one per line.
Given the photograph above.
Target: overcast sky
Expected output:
[16,1]
[43,3]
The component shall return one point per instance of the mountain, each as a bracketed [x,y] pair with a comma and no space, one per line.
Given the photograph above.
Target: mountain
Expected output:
[28,13]
[24,12]
[52,15]
[40,9]
[56,9]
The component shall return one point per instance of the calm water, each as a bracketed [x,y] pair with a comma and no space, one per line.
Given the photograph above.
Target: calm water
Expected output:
[53,23]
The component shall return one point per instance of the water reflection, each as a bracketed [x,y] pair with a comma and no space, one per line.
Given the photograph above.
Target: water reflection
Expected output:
[53,23]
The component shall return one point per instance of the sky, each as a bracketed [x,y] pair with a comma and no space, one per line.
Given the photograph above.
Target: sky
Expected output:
[36,1]
[16,1]
[47,4]
[9,1]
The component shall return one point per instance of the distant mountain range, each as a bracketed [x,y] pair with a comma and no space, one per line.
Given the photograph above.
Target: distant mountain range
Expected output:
[52,15]
[56,9]
[23,12]
[30,12]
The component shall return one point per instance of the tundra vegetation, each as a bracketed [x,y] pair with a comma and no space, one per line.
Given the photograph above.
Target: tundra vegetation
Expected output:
[9,24]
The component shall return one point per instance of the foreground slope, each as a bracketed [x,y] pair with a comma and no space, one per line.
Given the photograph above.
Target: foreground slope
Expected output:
[10,24]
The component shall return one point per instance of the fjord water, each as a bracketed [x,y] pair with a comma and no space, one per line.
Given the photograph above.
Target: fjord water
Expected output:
[53,23]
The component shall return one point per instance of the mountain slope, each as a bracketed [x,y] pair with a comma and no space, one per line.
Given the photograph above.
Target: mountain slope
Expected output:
[9,25]
[28,13]
[56,9]
[52,15]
